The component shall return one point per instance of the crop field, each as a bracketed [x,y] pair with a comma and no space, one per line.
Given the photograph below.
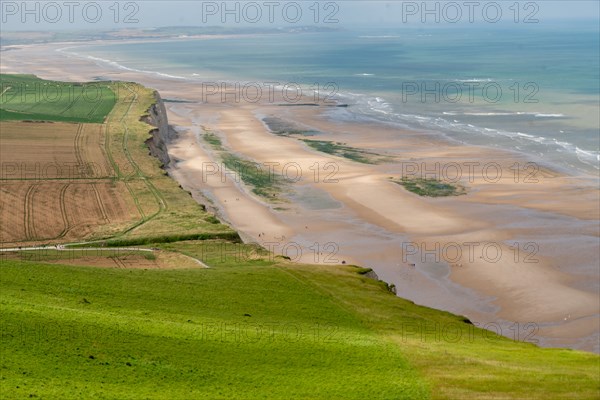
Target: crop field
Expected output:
[72,181]
[26,97]
[58,184]
[37,211]
[40,151]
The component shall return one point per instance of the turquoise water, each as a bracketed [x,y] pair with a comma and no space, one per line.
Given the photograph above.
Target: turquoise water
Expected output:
[542,84]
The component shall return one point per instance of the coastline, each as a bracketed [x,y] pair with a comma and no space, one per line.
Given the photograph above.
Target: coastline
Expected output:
[373,217]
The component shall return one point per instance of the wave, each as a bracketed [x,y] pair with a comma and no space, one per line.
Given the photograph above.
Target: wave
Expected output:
[381,110]
[540,115]
[504,114]
[593,155]
[117,65]
[474,80]
[379,36]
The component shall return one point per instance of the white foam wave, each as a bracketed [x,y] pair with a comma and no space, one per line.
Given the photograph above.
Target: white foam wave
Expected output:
[541,115]
[379,107]
[504,114]
[379,36]
[119,66]
[475,80]
[594,155]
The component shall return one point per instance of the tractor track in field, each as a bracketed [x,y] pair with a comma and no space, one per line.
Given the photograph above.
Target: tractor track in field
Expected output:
[100,204]
[28,215]
[5,90]
[162,204]
[119,124]
[77,145]
[63,212]
[103,150]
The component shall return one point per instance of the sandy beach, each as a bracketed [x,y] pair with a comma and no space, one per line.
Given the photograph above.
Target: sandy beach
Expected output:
[516,254]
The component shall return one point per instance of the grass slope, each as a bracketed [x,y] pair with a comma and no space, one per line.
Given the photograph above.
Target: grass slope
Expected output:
[254,327]
[242,331]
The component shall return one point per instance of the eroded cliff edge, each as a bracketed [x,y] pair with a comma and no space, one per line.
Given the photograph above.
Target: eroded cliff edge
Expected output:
[162,133]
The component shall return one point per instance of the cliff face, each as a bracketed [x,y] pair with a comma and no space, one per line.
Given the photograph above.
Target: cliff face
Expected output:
[157,116]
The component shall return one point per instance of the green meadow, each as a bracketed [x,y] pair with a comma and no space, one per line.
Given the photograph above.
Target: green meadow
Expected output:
[26,97]
[254,326]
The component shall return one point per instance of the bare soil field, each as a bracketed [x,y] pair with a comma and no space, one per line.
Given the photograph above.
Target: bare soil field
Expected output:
[58,184]
[34,211]
[52,150]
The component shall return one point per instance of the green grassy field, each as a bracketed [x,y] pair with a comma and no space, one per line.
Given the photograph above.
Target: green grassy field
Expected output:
[252,326]
[186,335]
[26,97]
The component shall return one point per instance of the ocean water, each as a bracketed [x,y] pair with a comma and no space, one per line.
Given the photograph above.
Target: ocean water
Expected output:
[534,90]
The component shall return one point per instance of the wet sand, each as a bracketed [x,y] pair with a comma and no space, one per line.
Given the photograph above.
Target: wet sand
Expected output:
[528,243]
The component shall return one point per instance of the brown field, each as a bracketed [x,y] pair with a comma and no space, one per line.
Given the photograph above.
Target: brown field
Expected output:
[53,150]
[58,185]
[62,210]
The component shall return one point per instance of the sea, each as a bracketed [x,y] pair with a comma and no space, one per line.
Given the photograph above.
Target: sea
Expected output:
[533,90]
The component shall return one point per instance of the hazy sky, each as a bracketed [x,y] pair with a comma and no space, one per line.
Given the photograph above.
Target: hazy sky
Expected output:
[108,14]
